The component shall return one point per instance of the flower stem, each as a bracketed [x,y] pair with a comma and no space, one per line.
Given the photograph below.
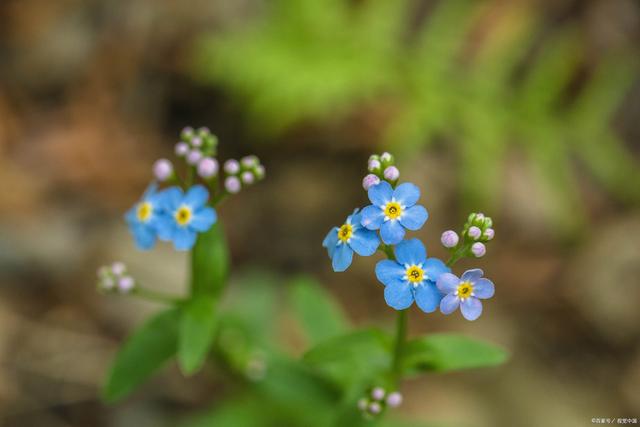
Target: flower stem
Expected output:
[401,338]
[154,296]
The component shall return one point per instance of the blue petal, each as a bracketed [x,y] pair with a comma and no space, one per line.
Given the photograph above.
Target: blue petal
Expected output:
[407,194]
[354,218]
[428,297]
[411,251]
[471,308]
[372,217]
[434,268]
[132,215]
[171,198]
[472,275]
[389,272]
[330,241]
[184,238]
[364,242]
[150,191]
[196,196]
[203,219]
[398,295]
[483,288]
[380,194]
[165,227]
[342,257]
[447,283]
[391,232]
[414,217]
[449,304]
[144,236]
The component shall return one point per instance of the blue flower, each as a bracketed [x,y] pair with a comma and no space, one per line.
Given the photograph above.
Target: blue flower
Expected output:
[186,215]
[351,236]
[394,210]
[411,276]
[144,217]
[464,292]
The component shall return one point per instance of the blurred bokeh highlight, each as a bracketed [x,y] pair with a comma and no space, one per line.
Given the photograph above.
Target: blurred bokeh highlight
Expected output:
[526,110]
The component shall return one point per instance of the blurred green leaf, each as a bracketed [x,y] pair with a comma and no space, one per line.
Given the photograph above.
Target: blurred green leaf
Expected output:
[144,352]
[209,262]
[352,358]
[319,313]
[448,352]
[247,411]
[197,328]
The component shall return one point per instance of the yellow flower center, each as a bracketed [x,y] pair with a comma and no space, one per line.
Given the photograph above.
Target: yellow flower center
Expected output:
[465,289]
[415,274]
[183,215]
[145,209]
[345,232]
[393,210]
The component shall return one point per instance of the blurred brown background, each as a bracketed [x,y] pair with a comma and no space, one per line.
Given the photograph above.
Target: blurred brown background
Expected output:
[92,92]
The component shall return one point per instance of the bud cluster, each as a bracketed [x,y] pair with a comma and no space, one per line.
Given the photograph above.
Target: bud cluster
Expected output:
[476,232]
[115,279]
[240,174]
[378,400]
[381,167]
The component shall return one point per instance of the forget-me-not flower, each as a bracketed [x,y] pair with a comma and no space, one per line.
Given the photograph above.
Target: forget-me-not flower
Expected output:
[464,292]
[143,218]
[350,237]
[411,276]
[186,215]
[394,210]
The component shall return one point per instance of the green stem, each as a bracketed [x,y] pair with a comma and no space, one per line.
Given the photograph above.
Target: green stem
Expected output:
[401,338]
[154,296]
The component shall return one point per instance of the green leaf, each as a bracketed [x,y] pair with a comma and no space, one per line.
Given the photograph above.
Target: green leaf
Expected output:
[319,313]
[197,330]
[209,262]
[352,358]
[448,352]
[145,351]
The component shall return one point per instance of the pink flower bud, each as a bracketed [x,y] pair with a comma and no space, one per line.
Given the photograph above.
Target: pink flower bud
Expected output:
[259,171]
[249,161]
[489,233]
[194,157]
[478,249]
[391,173]
[118,268]
[247,178]
[375,408]
[474,232]
[208,167]
[232,184]
[182,148]
[362,404]
[374,165]
[125,284]
[162,169]
[231,166]
[196,141]
[377,393]
[369,181]
[386,157]
[394,399]
[449,239]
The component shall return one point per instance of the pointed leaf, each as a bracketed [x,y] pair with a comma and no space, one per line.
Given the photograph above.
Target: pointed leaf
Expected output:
[197,329]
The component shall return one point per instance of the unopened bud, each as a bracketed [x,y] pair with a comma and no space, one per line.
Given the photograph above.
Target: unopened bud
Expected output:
[208,167]
[182,148]
[489,233]
[374,165]
[194,157]
[125,284]
[392,173]
[231,166]
[478,249]
[377,393]
[474,232]
[187,132]
[118,268]
[196,141]
[369,181]
[247,178]
[362,404]
[386,157]
[449,239]
[232,184]
[249,161]
[259,172]
[394,399]
[375,408]
[162,169]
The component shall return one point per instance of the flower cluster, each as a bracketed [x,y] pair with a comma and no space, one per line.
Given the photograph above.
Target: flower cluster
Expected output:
[378,400]
[178,213]
[115,278]
[408,275]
